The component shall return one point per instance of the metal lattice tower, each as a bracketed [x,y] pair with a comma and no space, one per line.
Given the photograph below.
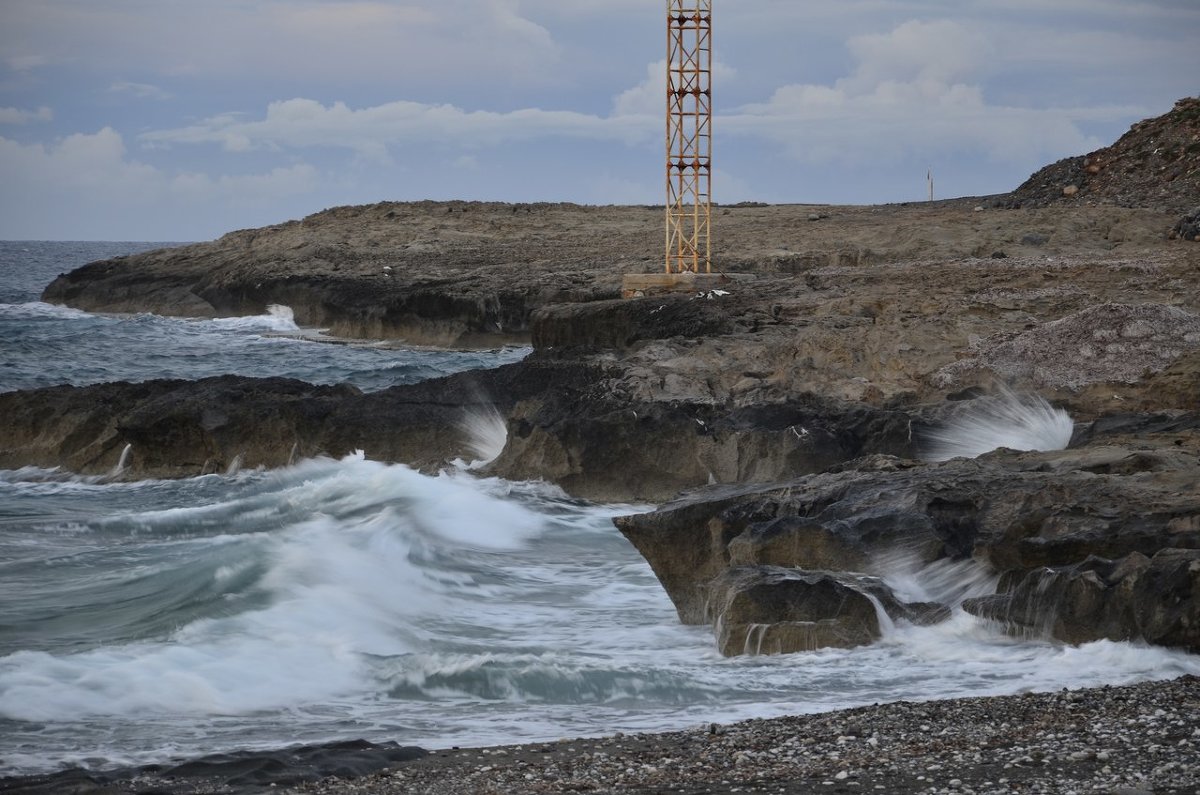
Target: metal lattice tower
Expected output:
[689,135]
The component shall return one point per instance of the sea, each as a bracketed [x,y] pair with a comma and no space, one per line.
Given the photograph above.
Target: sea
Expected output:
[158,620]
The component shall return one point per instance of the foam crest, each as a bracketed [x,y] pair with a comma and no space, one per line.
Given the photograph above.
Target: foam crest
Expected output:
[1017,422]
[369,562]
[549,678]
[34,310]
[279,318]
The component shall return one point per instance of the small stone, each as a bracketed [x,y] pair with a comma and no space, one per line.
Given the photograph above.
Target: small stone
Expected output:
[1070,190]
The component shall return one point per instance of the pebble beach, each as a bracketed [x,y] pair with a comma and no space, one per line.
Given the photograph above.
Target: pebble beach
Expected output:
[1142,738]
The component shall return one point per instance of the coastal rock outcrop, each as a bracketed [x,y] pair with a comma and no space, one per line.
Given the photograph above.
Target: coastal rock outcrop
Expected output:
[601,445]
[1012,514]
[777,610]
[1154,599]
[185,428]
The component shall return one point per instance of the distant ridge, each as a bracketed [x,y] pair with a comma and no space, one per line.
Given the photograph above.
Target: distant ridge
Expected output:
[1155,165]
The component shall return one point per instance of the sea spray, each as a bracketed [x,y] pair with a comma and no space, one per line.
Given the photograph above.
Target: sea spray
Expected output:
[278,319]
[342,599]
[121,464]
[1017,422]
[486,433]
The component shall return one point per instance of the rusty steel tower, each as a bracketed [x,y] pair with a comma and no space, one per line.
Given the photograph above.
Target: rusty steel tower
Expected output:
[689,136]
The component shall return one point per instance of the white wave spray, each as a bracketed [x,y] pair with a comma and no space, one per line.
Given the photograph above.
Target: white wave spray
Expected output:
[1017,422]
[487,433]
[278,319]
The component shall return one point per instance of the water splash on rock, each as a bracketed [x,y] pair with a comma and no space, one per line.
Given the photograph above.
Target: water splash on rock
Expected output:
[487,433]
[1018,422]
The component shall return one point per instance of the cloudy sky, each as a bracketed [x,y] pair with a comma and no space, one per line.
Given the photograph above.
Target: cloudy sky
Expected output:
[184,119]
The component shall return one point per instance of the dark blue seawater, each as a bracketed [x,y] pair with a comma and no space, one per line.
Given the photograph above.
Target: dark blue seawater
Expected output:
[330,600]
[44,345]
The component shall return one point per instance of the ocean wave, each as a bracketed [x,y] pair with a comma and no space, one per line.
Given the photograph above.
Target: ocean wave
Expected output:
[278,318]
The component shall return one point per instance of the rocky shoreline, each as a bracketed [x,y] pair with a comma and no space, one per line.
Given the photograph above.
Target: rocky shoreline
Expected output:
[1118,740]
[824,383]
[784,422]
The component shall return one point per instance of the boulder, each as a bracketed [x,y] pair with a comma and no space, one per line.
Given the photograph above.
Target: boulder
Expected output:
[1187,227]
[777,610]
[1156,600]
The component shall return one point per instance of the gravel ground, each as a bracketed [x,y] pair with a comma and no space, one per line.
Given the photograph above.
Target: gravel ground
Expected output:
[1124,740]
[1135,739]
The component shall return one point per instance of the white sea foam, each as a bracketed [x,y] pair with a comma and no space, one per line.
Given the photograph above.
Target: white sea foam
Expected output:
[40,309]
[1017,422]
[279,318]
[446,610]
[371,560]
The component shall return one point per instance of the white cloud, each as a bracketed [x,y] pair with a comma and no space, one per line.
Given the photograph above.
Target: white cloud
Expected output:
[935,53]
[19,116]
[25,63]
[310,41]
[79,162]
[300,123]
[911,95]
[526,99]
[279,183]
[87,182]
[139,90]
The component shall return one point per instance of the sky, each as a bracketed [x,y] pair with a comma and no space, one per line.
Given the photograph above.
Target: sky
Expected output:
[173,120]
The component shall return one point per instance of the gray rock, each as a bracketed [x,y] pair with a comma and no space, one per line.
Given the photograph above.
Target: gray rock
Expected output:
[1014,512]
[775,610]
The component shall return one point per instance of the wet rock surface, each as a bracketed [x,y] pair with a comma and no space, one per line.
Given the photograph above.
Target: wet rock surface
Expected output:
[778,610]
[1007,513]
[239,772]
[1155,599]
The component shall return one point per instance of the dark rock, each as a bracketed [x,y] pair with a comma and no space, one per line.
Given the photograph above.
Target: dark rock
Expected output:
[1011,511]
[1134,598]
[186,428]
[239,772]
[618,324]
[599,446]
[1188,227]
[776,610]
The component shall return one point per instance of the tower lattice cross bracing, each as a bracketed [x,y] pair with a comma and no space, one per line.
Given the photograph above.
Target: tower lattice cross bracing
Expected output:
[689,135]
